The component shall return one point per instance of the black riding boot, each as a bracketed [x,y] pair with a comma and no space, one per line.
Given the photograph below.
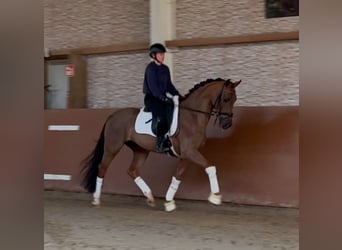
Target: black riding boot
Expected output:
[163,144]
[160,144]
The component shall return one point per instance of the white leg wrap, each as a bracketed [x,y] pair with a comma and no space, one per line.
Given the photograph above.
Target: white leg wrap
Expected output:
[172,189]
[143,186]
[211,171]
[97,192]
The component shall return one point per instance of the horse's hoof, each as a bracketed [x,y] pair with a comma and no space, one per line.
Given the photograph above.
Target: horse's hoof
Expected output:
[150,202]
[150,199]
[170,206]
[215,199]
[96,203]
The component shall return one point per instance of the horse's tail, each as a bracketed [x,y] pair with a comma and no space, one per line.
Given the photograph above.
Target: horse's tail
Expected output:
[91,163]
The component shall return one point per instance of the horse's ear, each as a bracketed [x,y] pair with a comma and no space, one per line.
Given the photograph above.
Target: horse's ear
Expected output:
[227,82]
[235,84]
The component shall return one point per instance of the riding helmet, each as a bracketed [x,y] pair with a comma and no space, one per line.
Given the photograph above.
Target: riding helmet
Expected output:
[157,48]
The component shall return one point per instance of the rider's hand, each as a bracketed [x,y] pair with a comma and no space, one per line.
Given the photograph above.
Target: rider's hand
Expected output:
[168,100]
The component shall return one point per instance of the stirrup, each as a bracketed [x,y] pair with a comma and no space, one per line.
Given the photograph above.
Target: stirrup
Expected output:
[167,142]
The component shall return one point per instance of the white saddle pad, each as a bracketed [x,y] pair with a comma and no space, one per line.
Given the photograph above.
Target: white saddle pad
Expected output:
[143,122]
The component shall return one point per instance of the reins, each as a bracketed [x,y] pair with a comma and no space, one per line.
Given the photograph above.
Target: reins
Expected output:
[212,113]
[215,110]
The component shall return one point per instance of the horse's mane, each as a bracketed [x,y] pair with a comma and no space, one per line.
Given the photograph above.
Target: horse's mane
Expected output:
[201,84]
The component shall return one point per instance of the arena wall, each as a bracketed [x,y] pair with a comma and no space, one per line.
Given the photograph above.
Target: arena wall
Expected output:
[257,159]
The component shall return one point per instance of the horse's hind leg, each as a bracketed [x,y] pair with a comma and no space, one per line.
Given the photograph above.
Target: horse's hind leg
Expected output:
[106,160]
[139,157]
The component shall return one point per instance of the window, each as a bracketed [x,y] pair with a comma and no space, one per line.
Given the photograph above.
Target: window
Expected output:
[281,8]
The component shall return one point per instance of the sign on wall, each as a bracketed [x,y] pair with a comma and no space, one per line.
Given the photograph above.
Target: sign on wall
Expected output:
[70,70]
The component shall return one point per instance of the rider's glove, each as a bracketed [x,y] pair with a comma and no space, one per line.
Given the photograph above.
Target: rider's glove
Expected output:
[168,100]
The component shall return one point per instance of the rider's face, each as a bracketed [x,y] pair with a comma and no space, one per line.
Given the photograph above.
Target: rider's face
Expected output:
[160,57]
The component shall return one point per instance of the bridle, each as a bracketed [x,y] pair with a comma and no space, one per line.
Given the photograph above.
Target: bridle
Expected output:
[216,110]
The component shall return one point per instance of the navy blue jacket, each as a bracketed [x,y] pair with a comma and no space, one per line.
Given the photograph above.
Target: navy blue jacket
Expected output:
[157,81]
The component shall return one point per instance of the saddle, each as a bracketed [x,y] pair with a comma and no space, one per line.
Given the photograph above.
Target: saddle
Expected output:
[146,124]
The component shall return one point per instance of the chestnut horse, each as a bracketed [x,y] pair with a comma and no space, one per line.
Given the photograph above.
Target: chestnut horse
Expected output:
[208,98]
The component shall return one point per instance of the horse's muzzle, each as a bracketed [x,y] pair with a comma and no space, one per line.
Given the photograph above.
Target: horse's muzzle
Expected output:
[226,123]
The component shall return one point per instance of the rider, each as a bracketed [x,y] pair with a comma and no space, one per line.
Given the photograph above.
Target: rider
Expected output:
[158,90]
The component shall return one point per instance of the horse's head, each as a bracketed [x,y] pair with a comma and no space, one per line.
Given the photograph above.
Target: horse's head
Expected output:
[223,106]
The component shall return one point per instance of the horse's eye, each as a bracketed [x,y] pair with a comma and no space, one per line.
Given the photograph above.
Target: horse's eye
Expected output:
[226,99]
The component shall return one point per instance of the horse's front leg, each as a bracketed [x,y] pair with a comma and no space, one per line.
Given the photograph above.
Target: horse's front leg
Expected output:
[170,204]
[215,197]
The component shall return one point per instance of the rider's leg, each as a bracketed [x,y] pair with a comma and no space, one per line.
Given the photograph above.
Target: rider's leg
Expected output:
[162,128]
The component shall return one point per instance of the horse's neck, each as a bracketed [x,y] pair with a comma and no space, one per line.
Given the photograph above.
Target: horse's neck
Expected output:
[203,99]
[198,102]
[201,103]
